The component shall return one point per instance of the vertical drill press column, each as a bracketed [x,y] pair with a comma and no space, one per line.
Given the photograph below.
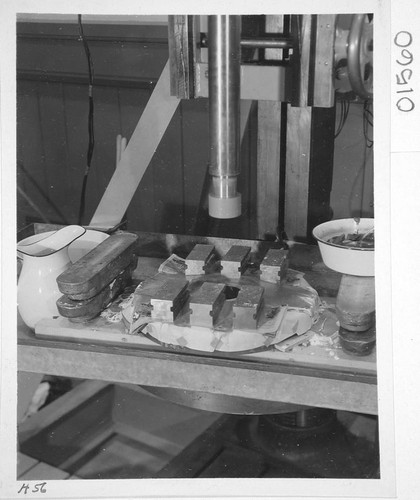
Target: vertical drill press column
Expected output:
[224,100]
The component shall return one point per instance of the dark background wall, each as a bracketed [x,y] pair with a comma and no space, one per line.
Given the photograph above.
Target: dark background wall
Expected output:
[52,133]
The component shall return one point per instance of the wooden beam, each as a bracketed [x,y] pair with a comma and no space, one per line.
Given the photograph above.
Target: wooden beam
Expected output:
[59,407]
[27,385]
[298,156]
[44,472]
[268,149]
[137,155]
[324,90]
[302,70]
[309,168]
[268,167]
[321,167]
[182,39]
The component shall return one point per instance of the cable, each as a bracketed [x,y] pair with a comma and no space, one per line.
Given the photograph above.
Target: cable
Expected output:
[359,180]
[367,122]
[344,111]
[91,141]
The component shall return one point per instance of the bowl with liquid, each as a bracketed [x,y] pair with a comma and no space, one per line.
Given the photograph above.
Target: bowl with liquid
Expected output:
[347,245]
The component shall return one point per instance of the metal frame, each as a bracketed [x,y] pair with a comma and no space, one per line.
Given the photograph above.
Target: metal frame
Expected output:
[186,77]
[262,382]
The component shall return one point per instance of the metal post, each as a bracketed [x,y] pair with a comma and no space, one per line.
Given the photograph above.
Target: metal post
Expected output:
[224,100]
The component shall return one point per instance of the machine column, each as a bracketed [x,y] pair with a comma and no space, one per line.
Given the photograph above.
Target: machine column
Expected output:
[224,100]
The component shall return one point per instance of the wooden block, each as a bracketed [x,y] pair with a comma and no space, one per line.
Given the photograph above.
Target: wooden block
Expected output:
[247,307]
[234,262]
[199,259]
[90,274]
[84,310]
[274,266]
[206,304]
[268,166]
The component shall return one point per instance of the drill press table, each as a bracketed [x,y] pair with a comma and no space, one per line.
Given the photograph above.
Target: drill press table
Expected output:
[252,383]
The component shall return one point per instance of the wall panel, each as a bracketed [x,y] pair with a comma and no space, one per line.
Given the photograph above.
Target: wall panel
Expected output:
[31,168]
[51,59]
[53,132]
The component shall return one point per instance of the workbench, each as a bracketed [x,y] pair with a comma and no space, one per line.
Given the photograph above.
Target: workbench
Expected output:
[253,383]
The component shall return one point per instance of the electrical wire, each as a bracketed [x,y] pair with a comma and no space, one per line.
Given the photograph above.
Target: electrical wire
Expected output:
[367,122]
[358,182]
[91,135]
[344,111]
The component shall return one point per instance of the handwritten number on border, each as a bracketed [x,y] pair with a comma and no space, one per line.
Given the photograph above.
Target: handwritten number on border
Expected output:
[35,488]
[402,40]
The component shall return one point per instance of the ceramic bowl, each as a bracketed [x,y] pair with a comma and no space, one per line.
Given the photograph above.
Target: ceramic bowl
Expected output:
[347,260]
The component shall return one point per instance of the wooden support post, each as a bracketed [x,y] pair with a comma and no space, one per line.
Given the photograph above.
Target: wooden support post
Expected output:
[324,90]
[302,68]
[137,155]
[182,38]
[268,167]
[297,171]
[268,149]
[313,65]
[309,169]
[310,130]
[321,167]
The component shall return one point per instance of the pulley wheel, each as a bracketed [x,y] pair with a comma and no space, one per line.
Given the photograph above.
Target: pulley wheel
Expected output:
[360,56]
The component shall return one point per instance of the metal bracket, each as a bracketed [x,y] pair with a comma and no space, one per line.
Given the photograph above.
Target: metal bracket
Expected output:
[200,259]
[206,304]
[234,262]
[274,265]
[247,307]
[169,299]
